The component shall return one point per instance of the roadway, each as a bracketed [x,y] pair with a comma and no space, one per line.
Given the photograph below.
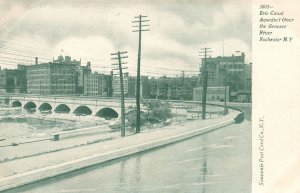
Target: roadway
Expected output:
[218,161]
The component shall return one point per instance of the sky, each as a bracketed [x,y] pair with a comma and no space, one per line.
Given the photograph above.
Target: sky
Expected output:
[92,30]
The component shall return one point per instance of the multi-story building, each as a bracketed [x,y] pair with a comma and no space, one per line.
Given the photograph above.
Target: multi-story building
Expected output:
[21,72]
[144,88]
[131,87]
[97,84]
[61,76]
[248,77]
[7,81]
[116,85]
[245,95]
[153,85]
[13,80]
[160,88]
[83,72]
[57,77]
[189,84]
[173,88]
[226,71]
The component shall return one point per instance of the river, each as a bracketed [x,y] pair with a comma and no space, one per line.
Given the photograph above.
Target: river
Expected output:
[20,125]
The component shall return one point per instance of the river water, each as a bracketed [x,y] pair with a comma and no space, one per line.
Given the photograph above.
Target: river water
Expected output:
[215,162]
[20,125]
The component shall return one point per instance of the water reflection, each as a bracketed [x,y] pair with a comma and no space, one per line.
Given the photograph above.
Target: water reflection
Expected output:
[204,166]
[122,175]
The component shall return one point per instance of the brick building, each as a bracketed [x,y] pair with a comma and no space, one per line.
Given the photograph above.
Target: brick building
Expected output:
[13,80]
[97,84]
[57,77]
[132,87]
[227,71]
[83,72]
[116,85]
[172,88]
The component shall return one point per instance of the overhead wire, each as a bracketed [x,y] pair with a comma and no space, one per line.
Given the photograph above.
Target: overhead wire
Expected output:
[15,50]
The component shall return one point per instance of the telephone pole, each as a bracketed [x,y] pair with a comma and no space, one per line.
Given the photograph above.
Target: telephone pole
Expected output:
[204,52]
[140,20]
[120,68]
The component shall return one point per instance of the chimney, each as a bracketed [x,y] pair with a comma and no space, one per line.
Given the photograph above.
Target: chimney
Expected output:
[36,60]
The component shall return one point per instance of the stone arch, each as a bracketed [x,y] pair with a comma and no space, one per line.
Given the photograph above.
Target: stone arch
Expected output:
[30,105]
[16,104]
[82,110]
[62,108]
[107,113]
[45,107]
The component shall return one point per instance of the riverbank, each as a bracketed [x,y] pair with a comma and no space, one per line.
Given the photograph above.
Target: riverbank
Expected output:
[27,170]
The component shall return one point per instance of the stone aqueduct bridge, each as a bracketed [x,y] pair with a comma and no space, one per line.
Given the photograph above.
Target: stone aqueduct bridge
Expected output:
[79,105]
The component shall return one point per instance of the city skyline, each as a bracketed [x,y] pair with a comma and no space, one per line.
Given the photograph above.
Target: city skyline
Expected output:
[94,30]
[67,76]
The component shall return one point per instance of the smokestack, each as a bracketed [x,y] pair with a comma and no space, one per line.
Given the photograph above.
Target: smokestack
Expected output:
[36,60]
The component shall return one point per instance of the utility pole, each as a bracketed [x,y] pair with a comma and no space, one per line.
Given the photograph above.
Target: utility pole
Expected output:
[182,86]
[204,79]
[120,68]
[140,20]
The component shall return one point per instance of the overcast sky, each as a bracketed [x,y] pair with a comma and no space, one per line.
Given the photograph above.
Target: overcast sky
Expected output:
[91,30]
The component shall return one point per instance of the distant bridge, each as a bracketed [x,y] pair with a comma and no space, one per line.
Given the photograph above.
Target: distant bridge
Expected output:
[95,105]
[79,105]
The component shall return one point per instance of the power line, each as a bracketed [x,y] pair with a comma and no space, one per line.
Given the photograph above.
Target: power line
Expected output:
[178,70]
[15,59]
[26,56]
[13,64]
[13,53]
[25,51]
[20,45]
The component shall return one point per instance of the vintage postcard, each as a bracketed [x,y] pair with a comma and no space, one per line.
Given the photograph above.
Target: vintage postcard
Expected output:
[186,96]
